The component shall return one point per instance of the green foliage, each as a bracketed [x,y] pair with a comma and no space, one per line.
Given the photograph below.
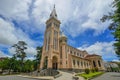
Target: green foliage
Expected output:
[115,25]
[18,63]
[4,64]
[116,69]
[37,57]
[14,65]
[96,69]
[118,64]
[91,75]
[28,66]
[20,52]
[87,71]
[92,70]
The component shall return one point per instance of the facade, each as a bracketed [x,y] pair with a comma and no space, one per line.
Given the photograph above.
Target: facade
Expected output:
[57,54]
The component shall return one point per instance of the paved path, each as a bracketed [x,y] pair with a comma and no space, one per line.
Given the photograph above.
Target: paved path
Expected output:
[109,76]
[14,77]
[67,76]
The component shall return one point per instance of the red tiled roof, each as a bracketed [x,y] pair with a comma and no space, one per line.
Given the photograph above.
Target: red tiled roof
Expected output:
[92,55]
[2,58]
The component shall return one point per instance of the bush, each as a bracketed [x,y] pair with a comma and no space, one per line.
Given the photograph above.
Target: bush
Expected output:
[93,70]
[96,69]
[87,71]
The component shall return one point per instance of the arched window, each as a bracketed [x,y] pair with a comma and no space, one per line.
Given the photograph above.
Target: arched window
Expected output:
[61,52]
[74,62]
[78,63]
[81,63]
[77,54]
[70,52]
[47,40]
[94,64]
[85,64]
[99,63]
[74,53]
[55,40]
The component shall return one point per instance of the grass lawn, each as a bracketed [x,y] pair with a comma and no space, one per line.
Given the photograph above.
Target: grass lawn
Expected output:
[90,75]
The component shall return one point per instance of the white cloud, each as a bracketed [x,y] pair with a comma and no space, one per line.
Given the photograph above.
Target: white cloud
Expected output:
[7,33]
[12,51]
[80,16]
[15,9]
[30,58]
[104,49]
[2,54]
[63,8]
[71,42]
[11,35]
[30,51]
[116,60]
[76,16]
[95,12]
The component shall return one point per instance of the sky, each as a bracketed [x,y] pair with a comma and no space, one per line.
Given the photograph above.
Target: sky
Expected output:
[24,20]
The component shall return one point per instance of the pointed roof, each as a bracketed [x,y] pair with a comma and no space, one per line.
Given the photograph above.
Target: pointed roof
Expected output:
[91,55]
[62,34]
[53,13]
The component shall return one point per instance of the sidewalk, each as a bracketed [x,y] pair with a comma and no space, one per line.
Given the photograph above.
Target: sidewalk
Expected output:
[67,76]
[42,77]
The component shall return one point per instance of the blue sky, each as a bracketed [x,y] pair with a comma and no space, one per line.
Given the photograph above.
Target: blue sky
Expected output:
[80,21]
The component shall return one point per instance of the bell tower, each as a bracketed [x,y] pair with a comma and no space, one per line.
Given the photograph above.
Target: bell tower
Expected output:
[50,52]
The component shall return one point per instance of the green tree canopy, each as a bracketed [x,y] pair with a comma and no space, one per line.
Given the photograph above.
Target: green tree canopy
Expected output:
[20,51]
[114,16]
[37,57]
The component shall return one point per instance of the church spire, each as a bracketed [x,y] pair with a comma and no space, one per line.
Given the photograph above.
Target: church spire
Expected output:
[53,13]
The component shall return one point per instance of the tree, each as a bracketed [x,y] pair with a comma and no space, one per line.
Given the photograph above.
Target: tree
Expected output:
[4,64]
[87,71]
[28,66]
[115,25]
[20,50]
[37,57]
[15,65]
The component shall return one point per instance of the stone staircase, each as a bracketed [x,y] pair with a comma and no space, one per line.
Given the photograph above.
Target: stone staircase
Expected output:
[44,72]
[48,72]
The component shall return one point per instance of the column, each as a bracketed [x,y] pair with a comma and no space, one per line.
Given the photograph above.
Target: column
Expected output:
[49,63]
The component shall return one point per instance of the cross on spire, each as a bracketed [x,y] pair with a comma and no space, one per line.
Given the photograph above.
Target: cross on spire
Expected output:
[54,5]
[53,13]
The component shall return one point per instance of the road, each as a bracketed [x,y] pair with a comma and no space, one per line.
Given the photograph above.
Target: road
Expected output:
[109,76]
[14,78]
[67,76]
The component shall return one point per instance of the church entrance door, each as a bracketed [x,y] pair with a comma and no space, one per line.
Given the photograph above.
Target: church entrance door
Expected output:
[54,63]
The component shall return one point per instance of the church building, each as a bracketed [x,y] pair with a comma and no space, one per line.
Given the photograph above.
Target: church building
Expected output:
[57,54]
